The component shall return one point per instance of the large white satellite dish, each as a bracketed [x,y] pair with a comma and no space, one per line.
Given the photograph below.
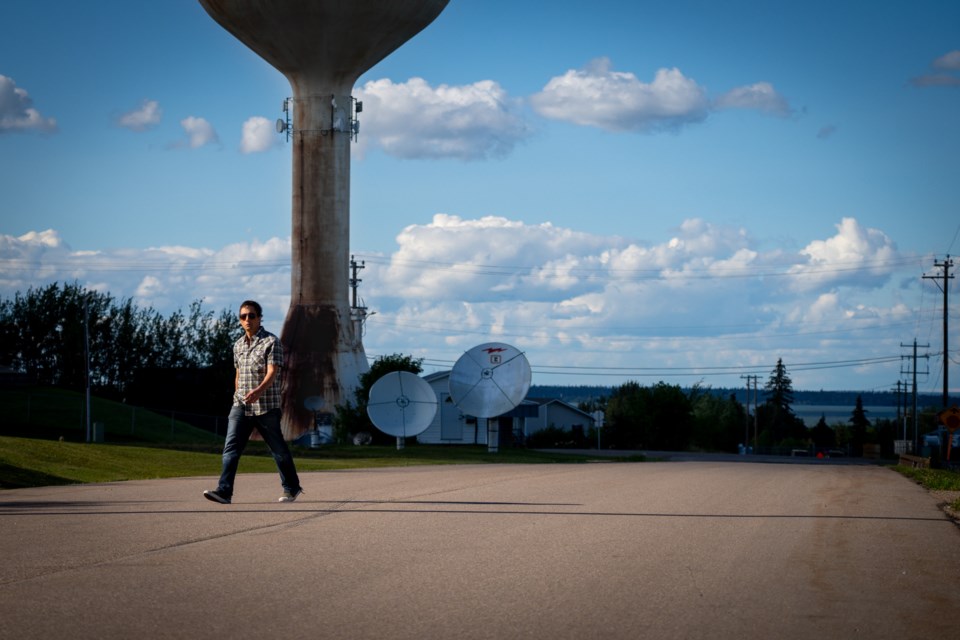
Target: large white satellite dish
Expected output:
[401,404]
[489,380]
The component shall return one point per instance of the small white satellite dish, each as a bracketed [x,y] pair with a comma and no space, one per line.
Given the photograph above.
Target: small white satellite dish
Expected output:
[314,403]
[490,380]
[401,404]
[281,125]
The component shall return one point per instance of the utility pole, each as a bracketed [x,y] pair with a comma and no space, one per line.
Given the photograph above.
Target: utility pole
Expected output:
[945,265]
[898,411]
[86,357]
[354,280]
[746,417]
[358,311]
[747,439]
[916,425]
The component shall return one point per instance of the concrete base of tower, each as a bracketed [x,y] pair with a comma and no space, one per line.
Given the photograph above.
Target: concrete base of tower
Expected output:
[323,358]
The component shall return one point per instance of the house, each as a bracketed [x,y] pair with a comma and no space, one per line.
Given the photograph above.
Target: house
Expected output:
[552,412]
[451,426]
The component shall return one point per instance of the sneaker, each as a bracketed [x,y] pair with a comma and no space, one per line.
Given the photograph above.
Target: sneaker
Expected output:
[290,496]
[216,496]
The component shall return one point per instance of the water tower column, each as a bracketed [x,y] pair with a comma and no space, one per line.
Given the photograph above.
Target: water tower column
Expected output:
[324,357]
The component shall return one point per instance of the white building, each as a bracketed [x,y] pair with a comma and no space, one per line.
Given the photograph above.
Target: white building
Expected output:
[451,426]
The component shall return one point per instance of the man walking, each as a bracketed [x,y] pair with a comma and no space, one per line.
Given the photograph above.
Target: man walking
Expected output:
[258,357]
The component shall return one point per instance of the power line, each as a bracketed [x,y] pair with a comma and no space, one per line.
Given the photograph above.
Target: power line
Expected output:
[791,269]
[956,234]
[684,371]
[637,332]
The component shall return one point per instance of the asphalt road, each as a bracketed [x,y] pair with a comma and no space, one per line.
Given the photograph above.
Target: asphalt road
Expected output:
[603,550]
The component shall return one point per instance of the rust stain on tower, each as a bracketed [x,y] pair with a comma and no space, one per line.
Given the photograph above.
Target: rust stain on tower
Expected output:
[322,47]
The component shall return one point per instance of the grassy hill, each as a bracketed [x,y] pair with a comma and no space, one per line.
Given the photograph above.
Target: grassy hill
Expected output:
[49,413]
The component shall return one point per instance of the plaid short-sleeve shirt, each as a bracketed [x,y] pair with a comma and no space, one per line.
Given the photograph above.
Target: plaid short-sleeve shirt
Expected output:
[251,359]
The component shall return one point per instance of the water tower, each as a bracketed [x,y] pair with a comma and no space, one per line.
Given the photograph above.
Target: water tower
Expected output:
[322,47]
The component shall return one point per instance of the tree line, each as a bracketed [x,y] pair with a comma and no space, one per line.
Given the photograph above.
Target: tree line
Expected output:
[665,417]
[49,331]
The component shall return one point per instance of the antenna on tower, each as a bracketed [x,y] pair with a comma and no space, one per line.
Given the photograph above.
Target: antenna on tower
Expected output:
[283,124]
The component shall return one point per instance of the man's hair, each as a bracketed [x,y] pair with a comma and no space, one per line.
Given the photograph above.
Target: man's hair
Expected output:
[254,305]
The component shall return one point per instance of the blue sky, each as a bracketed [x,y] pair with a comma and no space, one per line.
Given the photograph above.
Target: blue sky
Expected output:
[679,191]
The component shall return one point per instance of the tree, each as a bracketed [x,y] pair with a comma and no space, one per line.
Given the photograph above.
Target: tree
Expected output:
[626,410]
[593,404]
[778,415]
[718,423]
[822,435]
[350,419]
[859,423]
[45,332]
[658,417]
[670,418]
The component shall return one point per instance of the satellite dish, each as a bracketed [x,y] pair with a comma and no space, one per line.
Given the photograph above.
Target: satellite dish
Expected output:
[281,125]
[490,380]
[402,404]
[314,403]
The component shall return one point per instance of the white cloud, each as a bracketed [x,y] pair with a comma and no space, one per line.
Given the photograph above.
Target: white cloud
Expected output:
[705,295]
[826,131]
[947,67]
[199,132]
[258,135]
[949,61]
[493,256]
[478,121]
[17,112]
[146,116]
[760,96]
[597,96]
[936,80]
[415,120]
[855,255]
[618,101]
[165,278]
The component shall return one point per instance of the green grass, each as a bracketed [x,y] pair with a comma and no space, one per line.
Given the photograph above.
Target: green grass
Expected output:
[29,462]
[934,480]
[46,412]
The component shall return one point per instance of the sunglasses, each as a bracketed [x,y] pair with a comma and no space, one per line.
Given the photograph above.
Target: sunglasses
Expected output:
[244,316]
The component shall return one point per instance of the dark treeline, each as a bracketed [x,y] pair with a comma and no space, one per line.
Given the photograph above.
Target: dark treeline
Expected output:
[44,333]
[575,394]
[669,417]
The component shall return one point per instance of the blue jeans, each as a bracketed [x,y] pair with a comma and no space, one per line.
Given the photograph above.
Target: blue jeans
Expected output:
[239,428]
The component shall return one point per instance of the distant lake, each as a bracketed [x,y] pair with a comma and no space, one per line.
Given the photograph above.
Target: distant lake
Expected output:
[810,413]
